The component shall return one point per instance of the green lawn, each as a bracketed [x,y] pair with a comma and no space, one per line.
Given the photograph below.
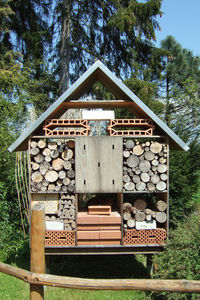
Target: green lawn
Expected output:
[85,267]
[13,288]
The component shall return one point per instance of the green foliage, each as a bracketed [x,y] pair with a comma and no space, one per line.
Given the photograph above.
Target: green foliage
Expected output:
[181,259]
[179,86]
[119,33]
[186,109]
[184,180]
[145,91]
[27,26]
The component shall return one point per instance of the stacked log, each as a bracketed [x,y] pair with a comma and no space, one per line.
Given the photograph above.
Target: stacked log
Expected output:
[144,166]
[66,212]
[139,212]
[52,166]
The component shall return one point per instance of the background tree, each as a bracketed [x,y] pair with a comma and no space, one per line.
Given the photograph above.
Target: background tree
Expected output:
[179,65]
[119,33]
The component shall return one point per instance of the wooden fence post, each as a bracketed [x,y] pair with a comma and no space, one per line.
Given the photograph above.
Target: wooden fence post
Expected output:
[37,249]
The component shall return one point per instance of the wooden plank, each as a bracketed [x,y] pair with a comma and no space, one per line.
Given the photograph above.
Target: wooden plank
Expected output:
[97,104]
[94,157]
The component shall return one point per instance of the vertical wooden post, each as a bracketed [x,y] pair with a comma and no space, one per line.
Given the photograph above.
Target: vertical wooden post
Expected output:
[150,264]
[37,249]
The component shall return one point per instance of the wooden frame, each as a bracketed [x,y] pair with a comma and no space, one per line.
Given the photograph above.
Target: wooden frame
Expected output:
[120,248]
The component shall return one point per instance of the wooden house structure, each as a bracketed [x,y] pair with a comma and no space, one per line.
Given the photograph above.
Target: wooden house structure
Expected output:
[102,194]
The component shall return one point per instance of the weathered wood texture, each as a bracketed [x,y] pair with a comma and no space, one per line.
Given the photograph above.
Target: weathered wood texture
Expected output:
[37,264]
[98,164]
[145,166]
[58,208]
[139,212]
[183,286]
[52,166]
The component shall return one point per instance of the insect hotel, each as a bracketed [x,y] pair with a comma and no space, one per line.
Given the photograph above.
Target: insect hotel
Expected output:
[106,194]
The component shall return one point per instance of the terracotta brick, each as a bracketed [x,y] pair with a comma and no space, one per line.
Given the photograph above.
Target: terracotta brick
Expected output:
[110,234]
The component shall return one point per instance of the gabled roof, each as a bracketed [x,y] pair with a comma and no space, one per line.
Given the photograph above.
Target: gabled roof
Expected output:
[98,72]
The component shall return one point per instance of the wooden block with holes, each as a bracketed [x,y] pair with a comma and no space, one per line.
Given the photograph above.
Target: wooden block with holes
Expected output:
[99,210]
[50,202]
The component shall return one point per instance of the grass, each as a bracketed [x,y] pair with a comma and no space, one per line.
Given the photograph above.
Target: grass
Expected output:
[107,267]
[12,288]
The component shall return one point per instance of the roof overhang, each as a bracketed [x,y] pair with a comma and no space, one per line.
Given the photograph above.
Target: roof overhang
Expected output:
[98,72]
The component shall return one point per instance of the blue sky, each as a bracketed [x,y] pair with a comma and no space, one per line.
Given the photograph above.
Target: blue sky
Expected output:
[181,19]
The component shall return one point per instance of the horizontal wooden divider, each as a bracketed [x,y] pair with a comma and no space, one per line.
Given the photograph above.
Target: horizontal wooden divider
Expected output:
[185,286]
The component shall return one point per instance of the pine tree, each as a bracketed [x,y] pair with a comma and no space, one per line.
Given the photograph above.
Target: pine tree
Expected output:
[179,65]
[119,33]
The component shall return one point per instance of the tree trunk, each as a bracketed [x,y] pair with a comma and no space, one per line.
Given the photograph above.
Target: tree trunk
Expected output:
[65,47]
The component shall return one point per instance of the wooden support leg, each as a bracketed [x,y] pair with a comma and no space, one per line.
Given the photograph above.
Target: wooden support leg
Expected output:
[150,264]
[47,264]
[37,249]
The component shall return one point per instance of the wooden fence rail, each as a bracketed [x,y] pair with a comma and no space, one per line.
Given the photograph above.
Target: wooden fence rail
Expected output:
[186,286]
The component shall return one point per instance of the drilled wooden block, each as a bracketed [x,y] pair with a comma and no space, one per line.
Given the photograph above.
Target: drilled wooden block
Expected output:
[59,238]
[51,207]
[144,237]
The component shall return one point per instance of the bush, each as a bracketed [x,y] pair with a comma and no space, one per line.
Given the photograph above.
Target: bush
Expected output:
[181,259]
